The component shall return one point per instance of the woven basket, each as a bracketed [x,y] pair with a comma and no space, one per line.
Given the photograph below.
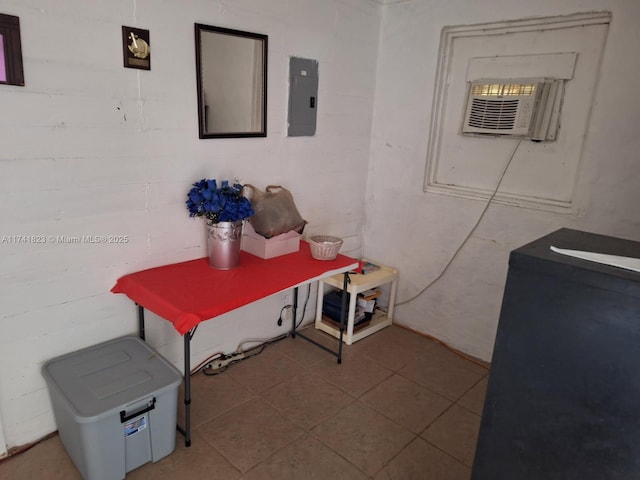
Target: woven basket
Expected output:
[325,247]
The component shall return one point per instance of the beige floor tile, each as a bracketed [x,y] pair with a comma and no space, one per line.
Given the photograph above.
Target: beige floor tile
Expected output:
[393,347]
[301,351]
[421,461]
[473,400]
[47,459]
[197,461]
[306,400]
[407,403]
[306,458]
[263,371]
[211,396]
[249,433]
[328,341]
[443,372]
[356,374]
[456,433]
[249,422]
[363,436]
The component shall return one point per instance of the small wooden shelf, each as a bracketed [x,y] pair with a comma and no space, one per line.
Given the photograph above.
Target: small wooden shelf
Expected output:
[359,283]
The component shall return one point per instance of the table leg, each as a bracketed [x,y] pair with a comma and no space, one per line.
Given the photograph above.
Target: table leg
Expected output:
[343,314]
[140,321]
[187,376]
[295,312]
[187,389]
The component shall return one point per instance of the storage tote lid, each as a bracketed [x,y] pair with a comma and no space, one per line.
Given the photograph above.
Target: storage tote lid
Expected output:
[98,380]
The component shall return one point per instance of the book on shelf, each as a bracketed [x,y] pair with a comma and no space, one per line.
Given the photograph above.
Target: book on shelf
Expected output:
[365,267]
[368,267]
[334,313]
[336,324]
[370,294]
[332,307]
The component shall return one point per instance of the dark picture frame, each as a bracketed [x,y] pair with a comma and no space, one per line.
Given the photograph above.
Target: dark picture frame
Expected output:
[11,71]
[136,48]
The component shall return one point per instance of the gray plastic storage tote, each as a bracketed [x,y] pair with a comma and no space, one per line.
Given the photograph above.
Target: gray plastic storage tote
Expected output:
[115,405]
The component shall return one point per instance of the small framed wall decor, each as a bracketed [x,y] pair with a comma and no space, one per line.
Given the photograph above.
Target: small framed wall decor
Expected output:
[136,49]
[11,72]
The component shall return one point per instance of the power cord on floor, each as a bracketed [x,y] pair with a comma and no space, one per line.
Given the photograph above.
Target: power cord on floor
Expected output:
[206,367]
[464,242]
[204,363]
[248,354]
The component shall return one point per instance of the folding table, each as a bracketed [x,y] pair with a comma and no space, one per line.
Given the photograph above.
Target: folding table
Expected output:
[188,293]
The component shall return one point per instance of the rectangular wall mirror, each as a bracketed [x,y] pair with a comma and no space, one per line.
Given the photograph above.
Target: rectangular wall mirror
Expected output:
[231,76]
[10,51]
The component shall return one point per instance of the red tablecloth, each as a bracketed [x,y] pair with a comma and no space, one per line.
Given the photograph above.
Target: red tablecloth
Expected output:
[190,292]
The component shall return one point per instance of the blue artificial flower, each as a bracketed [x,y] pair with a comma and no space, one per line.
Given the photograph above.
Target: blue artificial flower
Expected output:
[218,204]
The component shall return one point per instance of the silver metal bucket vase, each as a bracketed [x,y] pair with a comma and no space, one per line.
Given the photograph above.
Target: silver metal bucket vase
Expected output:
[223,244]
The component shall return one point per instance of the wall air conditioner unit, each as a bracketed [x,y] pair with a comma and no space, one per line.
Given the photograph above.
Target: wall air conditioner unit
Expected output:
[521,108]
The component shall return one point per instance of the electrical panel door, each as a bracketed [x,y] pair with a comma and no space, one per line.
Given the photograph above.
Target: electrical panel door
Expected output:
[303,97]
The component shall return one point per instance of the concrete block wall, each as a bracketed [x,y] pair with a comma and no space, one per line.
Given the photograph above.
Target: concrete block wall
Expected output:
[91,148]
[463,307]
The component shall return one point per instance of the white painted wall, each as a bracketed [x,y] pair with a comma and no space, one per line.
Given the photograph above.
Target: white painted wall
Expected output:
[91,148]
[463,307]
[3,442]
[541,175]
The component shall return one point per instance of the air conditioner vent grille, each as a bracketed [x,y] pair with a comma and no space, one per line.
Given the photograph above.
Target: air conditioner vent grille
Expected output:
[493,114]
[522,108]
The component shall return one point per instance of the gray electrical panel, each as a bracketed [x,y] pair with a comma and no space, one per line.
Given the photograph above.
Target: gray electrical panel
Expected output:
[303,97]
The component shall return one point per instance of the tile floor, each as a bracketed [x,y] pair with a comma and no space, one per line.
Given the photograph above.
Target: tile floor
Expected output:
[400,406]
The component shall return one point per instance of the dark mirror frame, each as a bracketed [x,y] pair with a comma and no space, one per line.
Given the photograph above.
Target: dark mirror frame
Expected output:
[10,31]
[202,114]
